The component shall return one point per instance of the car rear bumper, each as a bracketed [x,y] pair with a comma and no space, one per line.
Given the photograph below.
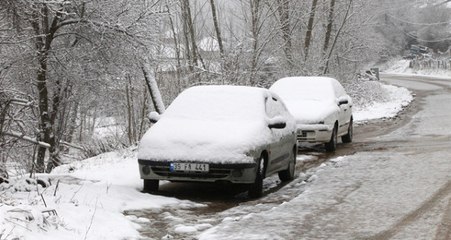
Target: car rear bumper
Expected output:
[233,173]
[314,133]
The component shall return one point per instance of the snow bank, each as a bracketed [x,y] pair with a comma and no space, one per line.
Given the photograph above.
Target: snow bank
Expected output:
[395,99]
[85,200]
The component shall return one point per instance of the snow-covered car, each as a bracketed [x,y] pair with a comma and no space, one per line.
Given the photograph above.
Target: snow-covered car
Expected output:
[321,107]
[219,134]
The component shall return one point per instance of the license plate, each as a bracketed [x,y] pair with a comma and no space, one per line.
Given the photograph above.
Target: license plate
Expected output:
[189,167]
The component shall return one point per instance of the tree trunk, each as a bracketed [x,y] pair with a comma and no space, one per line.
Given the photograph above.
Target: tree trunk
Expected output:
[255,11]
[72,122]
[308,35]
[284,15]
[143,114]
[43,42]
[330,21]
[190,38]
[192,33]
[177,49]
[154,91]
[131,129]
[217,28]
[326,68]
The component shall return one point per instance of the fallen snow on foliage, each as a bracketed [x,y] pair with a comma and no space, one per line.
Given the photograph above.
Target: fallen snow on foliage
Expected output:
[397,99]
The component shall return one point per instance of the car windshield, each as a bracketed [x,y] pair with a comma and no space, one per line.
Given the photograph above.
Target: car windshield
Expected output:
[218,103]
[295,89]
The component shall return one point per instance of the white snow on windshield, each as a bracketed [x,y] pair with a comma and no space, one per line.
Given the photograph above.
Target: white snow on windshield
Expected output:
[305,88]
[218,103]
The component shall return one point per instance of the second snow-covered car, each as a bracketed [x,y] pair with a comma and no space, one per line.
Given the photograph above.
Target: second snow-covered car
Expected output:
[230,134]
[321,107]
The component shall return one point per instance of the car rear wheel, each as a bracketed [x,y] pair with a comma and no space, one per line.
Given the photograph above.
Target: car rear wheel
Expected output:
[150,185]
[331,146]
[288,174]
[256,189]
[348,137]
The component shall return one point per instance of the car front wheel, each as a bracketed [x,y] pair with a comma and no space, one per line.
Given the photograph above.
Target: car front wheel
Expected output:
[288,174]
[256,189]
[150,185]
[331,146]
[348,137]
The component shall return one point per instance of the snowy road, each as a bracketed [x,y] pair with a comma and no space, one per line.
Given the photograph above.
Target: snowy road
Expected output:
[393,182]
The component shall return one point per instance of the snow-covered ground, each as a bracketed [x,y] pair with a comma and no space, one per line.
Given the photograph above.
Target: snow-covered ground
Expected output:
[87,199]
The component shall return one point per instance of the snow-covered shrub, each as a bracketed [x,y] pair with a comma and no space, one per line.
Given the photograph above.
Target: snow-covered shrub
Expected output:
[102,145]
[365,92]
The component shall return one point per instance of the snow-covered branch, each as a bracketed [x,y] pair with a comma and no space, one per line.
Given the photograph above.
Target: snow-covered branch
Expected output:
[26,138]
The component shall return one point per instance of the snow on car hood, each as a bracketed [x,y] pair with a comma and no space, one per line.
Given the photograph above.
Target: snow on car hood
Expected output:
[202,141]
[311,111]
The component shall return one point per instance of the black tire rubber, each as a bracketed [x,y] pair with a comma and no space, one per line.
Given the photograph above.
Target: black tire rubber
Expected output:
[256,189]
[288,174]
[331,146]
[348,137]
[150,185]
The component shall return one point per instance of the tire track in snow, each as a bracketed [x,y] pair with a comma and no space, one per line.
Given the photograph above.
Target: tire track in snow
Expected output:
[444,229]
[442,193]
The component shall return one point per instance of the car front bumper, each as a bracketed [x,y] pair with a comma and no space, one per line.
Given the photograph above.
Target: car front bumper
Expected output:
[243,173]
[314,133]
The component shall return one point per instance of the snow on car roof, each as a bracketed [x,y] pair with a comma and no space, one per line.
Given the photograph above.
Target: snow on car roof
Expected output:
[218,103]
[209,123]
[308,88]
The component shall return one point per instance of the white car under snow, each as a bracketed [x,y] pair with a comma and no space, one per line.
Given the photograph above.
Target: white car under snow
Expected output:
[231,134]
[321,107]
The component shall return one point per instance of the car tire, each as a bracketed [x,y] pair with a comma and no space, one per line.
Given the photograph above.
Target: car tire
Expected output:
[150,185]
[331,146]
[288,174]
[256,189]
[348,137]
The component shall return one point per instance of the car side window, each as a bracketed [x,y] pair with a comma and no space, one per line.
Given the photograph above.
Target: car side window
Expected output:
[274,107]
[338,89]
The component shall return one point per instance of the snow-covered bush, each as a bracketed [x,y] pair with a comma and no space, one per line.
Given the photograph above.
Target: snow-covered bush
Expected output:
[102,145]
[365,92]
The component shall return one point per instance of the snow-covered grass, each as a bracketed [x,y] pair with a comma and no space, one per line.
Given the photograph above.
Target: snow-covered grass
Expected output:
[87,199]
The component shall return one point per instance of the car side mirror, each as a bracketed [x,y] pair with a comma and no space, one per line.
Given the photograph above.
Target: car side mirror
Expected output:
[277,122]
[280,125]
[154,117]
[343,100]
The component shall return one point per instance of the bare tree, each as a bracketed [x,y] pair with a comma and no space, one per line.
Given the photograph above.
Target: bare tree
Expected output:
[56,27]
[345,19]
